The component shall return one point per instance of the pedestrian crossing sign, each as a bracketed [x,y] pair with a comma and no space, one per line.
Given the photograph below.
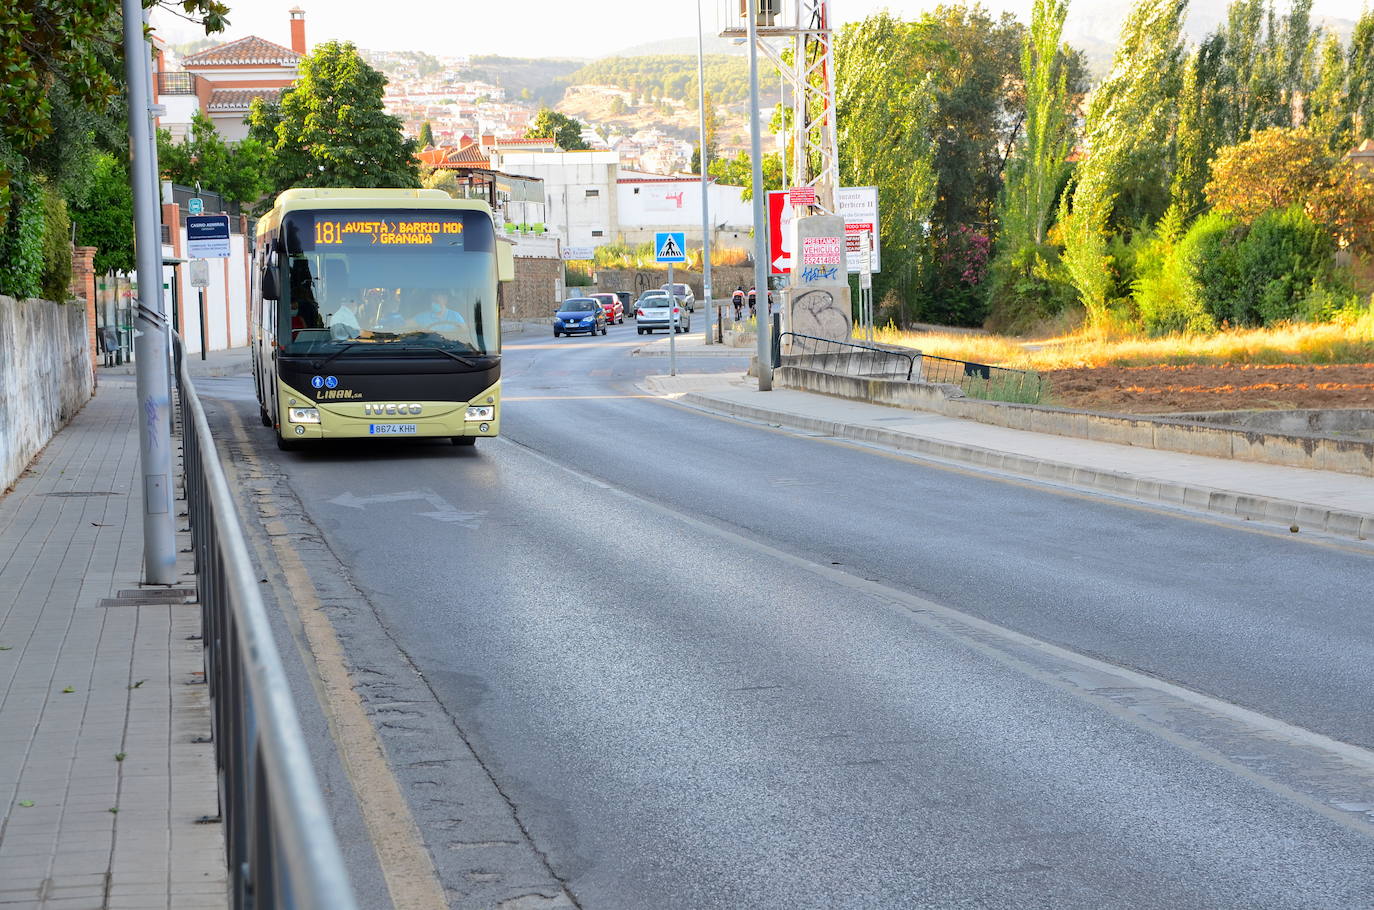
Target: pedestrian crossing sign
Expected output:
[670,246]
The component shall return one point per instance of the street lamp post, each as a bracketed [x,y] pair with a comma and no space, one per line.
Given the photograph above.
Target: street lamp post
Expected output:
[705,200]
[760,213]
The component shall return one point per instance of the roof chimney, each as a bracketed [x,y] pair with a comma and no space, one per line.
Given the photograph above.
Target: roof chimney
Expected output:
[298,30]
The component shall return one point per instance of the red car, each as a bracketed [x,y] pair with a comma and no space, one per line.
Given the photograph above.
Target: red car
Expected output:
[615,310]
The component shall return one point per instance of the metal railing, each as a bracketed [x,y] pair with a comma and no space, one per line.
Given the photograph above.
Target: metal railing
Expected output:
[982,380]
[844,357]
[176,83]
[278,838]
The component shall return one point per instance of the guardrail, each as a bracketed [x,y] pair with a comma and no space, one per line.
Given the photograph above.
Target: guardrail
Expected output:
[982,380]
[278,838]
[845,357]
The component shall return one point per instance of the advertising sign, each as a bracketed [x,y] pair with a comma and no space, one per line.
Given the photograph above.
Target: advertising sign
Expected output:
[779,233]
[801,195]
[207,236]
[858,205]
[578,253]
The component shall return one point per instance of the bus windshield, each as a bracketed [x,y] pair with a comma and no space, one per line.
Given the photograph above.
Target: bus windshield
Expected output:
[359,282]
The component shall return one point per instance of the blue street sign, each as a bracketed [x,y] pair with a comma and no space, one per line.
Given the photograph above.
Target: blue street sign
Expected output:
[195,205]
[670,246]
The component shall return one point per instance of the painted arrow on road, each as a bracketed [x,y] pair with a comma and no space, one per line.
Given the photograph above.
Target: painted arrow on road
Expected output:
[442,509]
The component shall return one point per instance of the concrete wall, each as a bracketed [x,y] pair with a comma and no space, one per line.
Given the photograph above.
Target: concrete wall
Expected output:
[1322,453]
[45,376]
[723,280]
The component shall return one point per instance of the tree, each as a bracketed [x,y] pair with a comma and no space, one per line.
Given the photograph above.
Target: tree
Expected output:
[885,107]
[426,139]
[1360,75]
[562,129]
[1020,290]
[238,172]
[738,171]
[1037,172]
[1328,116]
[1278,168]
[330,128]
[1124,179]
[105,218]
[712,134]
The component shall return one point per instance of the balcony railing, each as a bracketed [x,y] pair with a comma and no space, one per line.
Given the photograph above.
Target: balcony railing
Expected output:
[176,83]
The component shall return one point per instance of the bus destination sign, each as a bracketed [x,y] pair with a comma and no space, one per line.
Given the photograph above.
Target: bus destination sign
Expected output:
[393,231]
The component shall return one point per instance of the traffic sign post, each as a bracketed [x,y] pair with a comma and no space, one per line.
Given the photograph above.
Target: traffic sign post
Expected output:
[195,205]
[671,247]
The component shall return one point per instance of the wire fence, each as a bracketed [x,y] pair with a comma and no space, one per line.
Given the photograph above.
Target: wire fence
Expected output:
[981,380]
[278,838]
[847,358]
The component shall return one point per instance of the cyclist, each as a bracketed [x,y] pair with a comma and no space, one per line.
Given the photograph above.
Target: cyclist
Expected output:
[753,301]
[737,298]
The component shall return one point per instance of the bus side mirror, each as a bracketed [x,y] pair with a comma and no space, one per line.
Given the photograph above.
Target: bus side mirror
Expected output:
[269,284]
[505,260]
[270,291]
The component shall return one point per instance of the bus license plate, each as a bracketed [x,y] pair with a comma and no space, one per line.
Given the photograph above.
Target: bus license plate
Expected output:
[391,429]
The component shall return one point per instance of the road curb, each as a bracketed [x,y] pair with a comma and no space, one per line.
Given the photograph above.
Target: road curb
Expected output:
[1249,507]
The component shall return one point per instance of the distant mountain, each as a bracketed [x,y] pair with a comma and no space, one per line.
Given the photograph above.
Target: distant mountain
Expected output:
[713,44]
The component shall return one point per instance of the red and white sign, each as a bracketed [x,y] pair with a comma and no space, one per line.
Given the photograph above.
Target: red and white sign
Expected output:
[801,195]
[821,251]
[779,233]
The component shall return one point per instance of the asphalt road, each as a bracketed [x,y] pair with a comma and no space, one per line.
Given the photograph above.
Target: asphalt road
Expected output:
[702,663]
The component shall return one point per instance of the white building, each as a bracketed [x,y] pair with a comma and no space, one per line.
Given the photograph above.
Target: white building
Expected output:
[579,187]
[648,203]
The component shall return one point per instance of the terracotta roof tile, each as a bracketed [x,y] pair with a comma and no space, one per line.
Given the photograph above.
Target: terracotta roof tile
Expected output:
[251,50]
[239,99]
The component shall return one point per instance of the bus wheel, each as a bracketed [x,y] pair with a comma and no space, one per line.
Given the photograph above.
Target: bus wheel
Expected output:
[465,440]
[288,445]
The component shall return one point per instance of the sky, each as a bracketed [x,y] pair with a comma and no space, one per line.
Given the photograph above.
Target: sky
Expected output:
[559,28]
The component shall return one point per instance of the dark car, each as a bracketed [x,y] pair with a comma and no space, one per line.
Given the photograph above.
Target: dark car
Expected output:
[627,302]
[580,314]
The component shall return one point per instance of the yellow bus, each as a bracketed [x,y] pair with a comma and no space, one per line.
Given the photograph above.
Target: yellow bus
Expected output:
[374,315]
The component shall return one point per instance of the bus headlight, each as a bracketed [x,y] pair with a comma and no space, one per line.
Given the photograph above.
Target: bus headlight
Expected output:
[481,413]
[304,415]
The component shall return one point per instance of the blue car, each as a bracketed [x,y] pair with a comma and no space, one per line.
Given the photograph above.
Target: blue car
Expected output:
[580,314]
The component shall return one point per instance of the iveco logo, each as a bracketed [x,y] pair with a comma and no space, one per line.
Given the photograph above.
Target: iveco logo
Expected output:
[391,409]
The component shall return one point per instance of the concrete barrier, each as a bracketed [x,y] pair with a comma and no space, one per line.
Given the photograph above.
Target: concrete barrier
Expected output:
[45,377]
[1317,452]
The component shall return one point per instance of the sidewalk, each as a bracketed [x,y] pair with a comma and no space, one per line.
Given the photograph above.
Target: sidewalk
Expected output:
[1324,501]
[101,701]
[231,362]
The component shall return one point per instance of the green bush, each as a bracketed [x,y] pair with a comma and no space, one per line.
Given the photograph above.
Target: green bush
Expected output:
[1280,259]
[21,241]
[1168,293]
[1216,269]
[55,283]
[1027,286]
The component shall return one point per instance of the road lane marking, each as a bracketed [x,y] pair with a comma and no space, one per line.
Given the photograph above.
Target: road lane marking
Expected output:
[411,879]
[571,397]
[1165,709]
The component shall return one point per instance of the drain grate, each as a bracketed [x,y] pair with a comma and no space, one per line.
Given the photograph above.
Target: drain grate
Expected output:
[149,597]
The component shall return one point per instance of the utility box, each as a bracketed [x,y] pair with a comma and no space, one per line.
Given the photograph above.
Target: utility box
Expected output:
[819,303]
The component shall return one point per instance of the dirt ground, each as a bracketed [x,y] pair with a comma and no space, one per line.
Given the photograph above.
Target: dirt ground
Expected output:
[1224,387]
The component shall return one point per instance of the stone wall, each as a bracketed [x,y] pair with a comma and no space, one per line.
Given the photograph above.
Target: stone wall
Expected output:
[534,292]
[45,376]
[724,279]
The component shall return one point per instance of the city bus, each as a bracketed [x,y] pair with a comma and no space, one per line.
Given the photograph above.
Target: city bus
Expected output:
[374,315]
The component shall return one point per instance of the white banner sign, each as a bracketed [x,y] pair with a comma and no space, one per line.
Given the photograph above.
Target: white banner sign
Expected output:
[858,205]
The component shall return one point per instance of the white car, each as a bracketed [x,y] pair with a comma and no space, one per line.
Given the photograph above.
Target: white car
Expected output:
[657,310]
[684,295]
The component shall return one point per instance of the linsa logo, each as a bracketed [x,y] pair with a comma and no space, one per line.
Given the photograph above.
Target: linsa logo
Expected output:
[391,409]
[336,395]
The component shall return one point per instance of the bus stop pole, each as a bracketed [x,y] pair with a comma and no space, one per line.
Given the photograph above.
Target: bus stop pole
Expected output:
[150,321]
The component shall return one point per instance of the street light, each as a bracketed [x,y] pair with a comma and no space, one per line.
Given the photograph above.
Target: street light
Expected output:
[760,216]
[705,201]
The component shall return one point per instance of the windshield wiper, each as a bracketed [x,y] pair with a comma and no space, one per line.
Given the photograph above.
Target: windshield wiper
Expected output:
[320,364]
